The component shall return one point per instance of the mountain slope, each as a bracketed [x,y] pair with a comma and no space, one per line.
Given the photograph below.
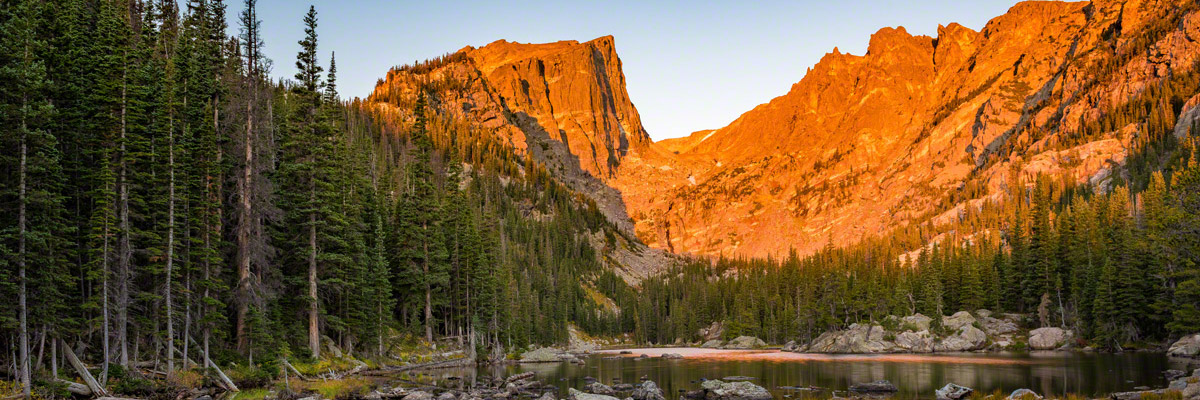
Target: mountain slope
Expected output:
[864,144]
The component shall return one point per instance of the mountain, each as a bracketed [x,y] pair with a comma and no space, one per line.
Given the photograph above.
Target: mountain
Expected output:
[919,130]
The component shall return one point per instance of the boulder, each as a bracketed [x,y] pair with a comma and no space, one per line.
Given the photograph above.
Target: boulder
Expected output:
[915,342]
[577,395]
[418,395]
[1023,394]
[983,313]
[791,346]
[712,332]
[953,392]
[917,322]
[713,344]
[1048,338]
[446,396]
[745,342]
[1137,395]
[719,390]
[648,390]
[599,388]
[546,354]
[1187,346]
[547,396]
[1173,374]
[874,387]
[997,326]
[958,320]
[859,338]
[968,338]
[672,356]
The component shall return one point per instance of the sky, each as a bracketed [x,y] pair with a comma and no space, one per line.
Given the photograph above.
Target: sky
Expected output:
[689,65]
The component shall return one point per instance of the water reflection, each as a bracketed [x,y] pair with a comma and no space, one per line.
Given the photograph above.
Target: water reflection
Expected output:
[917,376]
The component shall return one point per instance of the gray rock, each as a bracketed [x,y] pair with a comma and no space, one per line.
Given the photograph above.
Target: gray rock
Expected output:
[953,392]
[718,390]
[713,344]
[577,395]
[419,395]
[1137,395]
[547,396]
[622,387]
[915,342]
[1024,394]
[859,338]
[996,326]
[874,387]
[983,313]
[791,346]
[736,378]
[672,356]
[446,396]
[968,338]
[599,388]
[648,390]
[1178,384]
[958,320]
[1173,374]
[745,342]
[547,354]
[1187,346]
[1048,338]
[917,321]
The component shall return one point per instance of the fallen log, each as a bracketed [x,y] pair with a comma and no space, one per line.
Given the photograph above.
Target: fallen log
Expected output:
[228,383]
[74,387]
[294,370]
[82,370]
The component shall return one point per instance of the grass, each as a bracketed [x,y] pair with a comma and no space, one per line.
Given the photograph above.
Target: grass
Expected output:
[333,389]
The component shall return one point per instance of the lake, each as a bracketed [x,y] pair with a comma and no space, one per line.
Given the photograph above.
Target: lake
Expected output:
[917,375]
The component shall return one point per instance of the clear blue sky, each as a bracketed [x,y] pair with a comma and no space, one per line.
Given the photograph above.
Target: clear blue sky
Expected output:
[689,65]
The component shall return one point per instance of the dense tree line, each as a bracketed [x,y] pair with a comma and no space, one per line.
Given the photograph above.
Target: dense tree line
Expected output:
[164,200]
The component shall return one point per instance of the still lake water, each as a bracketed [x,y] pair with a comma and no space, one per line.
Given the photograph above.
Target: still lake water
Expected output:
[917,376]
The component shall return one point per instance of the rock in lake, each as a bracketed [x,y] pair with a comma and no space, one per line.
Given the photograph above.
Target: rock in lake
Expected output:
[648,390]
[577,395]
[1048,338]
[1024,394]
[599,388]
[968,338]
[672,356]
[745,342]
[719,390]
[953,392]
[874,387]
[1187,346]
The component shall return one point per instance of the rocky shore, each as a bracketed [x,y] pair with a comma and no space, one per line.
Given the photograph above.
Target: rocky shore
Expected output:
[917,333]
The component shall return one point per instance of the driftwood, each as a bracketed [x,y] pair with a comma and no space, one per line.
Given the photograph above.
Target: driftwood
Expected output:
[228,383]
[289,366]
[82,370]
[76,388]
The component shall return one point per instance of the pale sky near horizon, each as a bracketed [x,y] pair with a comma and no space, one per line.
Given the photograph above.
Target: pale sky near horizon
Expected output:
[689,65]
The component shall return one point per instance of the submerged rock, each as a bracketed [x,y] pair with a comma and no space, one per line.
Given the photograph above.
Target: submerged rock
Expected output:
[953,392]
[881,386]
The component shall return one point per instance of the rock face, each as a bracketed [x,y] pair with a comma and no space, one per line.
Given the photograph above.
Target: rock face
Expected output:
[865,143]
[859,338]
[1048,338]
[1187,346]
[745,342]
[911,335]
[719,390]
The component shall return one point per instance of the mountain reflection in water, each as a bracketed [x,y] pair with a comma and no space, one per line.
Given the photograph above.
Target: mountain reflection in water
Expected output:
[917,375]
